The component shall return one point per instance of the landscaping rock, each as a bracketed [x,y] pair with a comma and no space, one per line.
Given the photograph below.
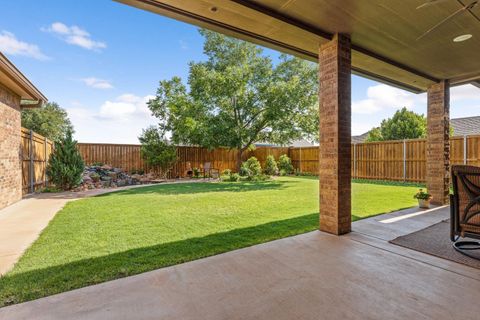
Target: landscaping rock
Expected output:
[105,176]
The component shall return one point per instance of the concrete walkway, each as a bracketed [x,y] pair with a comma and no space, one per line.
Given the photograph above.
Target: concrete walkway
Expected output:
[22,222]
[310,276]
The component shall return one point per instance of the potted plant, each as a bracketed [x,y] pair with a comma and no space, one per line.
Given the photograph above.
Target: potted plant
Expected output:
[423,198]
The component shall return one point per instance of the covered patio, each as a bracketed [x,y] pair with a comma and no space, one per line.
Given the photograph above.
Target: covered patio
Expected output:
[360,274]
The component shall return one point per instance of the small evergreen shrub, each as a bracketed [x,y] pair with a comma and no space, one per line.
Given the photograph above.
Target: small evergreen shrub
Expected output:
[251,168]
[271,167]
[285,164]
[283,172]
[65,166]
[226,172]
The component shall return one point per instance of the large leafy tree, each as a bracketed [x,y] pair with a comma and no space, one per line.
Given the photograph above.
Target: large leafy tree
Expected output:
[50,121]
[237,97]
[404,124]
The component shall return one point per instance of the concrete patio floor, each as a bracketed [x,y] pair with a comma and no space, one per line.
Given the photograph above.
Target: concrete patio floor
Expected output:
[310,276]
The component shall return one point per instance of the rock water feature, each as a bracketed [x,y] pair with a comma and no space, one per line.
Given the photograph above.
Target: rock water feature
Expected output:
[105,176]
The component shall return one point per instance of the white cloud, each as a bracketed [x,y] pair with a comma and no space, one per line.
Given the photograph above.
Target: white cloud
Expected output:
[9,44]
[117,121]
[97,83]
[381,97]
[75,35]
[465,92]
[183,44]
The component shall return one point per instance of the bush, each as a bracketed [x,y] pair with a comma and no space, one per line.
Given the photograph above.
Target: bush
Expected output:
[196,172]
[285,164]
[271,167]
[251,168]
[283,172]
[65,166]
[233,177]
[226,172]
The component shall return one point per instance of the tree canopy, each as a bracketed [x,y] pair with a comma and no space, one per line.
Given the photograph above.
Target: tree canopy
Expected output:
[404,124]
[50,121]
[239,96]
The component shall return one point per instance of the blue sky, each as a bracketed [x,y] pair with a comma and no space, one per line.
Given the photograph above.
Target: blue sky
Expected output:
[102,60]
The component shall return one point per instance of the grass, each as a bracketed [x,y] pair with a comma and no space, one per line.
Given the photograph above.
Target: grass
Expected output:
[128,232]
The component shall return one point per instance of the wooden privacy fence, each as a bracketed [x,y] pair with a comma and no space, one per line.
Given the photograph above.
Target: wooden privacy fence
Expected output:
[36,150]
[128,156]
[388,160]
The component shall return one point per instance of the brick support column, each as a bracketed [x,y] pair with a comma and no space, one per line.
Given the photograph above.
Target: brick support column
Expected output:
[335,135]
[438,142]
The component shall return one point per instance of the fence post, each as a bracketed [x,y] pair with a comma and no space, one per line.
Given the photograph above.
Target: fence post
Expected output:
[45,180]
[300,164]
[354,160]
[30,169]
[404,160]
[464,149]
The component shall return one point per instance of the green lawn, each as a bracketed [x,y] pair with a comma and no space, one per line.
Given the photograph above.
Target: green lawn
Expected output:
[128,232]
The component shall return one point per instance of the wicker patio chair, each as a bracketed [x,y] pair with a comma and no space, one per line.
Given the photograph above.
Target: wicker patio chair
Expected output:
[465,208]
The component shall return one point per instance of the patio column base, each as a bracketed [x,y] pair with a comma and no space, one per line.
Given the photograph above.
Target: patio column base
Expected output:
[335,135]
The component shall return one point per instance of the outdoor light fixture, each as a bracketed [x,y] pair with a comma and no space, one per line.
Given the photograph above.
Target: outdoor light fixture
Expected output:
[461,38]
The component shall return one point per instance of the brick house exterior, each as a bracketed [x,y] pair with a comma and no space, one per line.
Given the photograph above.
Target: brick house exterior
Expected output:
[10,156]
[15,89]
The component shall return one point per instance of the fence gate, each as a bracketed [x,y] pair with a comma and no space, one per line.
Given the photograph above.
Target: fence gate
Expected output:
[36,150]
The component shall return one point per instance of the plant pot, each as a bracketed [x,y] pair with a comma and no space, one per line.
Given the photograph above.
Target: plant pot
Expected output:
[424,203]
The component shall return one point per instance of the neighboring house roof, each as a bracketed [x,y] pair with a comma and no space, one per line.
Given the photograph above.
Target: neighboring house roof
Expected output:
[360,138]
[461,127]
[465,126]
[14,80]
[301,143]
[295,144]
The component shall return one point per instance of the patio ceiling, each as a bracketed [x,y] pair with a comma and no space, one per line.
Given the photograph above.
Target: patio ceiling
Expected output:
[384,33]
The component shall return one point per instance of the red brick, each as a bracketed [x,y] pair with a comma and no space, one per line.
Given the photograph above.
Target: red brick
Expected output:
[438,144]
[10,150]
[335,135]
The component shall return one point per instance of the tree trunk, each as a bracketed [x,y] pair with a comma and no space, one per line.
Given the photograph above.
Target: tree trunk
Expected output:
[239,158]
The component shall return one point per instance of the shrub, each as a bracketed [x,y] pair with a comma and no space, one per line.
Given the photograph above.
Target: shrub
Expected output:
[65,166]
[156,151]
[234,177]
[196,172]
[226,172]
[271,167]
[285,164]
[283,172]
[251,168]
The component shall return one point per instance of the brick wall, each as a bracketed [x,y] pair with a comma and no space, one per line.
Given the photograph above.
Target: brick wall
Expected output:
[10,163]
[335,135]
[438,142]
